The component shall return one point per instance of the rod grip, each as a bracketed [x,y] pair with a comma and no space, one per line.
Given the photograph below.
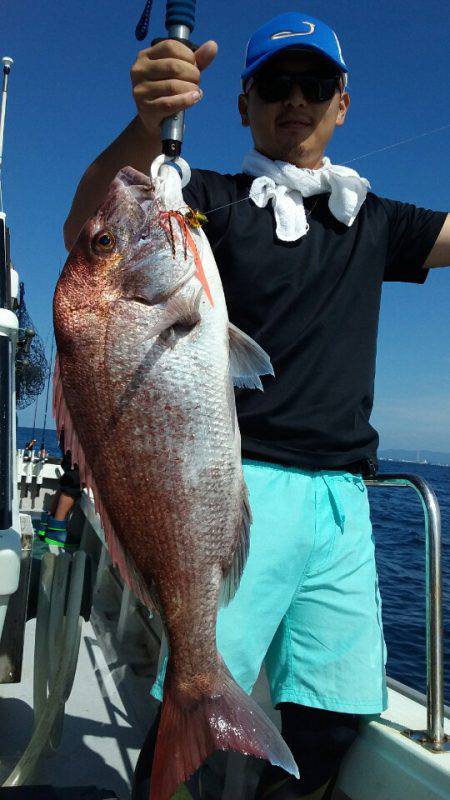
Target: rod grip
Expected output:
[180,12]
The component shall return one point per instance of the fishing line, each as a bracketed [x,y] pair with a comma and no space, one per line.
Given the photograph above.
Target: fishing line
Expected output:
[397,144]
[242,200]
[351,161]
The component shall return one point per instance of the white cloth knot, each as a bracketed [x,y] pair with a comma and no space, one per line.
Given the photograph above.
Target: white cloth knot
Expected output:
[286,185]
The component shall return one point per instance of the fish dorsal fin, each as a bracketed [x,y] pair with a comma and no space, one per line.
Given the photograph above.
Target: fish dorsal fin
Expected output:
[117,552]
[233,577]
[247,360]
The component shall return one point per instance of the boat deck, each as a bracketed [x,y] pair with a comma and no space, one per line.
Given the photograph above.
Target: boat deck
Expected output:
[102,730]
[110,709]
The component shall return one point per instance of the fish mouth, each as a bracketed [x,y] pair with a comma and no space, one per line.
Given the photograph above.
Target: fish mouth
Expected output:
[131,177]
[140,188]
[129,204]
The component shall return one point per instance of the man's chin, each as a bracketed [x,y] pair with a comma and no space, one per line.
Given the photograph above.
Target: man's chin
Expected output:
[299,155]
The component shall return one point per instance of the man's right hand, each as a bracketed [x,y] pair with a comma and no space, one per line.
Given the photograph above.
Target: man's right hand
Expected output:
[166,79]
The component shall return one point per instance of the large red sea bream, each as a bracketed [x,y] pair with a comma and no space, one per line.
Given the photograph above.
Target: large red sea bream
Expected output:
[144,391]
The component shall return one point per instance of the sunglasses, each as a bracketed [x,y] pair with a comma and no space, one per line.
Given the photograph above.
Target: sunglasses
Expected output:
[274,87]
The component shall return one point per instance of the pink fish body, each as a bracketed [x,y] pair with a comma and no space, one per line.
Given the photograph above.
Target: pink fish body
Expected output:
[144,391]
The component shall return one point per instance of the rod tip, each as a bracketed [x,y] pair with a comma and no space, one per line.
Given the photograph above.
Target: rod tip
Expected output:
[7,61]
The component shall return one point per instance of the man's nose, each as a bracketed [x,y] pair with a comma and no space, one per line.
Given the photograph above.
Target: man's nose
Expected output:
[296,96]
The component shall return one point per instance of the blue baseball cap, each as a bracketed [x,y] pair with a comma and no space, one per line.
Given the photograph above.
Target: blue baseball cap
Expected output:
[292,30]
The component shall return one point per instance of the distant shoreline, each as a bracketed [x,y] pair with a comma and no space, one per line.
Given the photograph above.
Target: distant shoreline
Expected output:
[425,462]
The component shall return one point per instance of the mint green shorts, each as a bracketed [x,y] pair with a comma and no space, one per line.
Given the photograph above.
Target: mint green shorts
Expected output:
[308,605]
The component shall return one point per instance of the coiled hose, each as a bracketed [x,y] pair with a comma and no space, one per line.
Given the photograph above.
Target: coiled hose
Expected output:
[58,632]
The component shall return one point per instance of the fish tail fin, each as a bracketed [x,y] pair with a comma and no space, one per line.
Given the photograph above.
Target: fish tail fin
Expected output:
[225,719]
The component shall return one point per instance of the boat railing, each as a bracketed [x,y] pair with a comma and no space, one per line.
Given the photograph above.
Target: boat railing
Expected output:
[434,737]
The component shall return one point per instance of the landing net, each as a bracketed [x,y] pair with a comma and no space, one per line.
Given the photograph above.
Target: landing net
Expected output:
[32,367]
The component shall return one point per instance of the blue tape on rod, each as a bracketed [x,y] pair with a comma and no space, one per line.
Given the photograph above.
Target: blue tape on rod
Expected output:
[180,12]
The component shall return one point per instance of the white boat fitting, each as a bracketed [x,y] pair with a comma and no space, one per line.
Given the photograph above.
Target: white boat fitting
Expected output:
[10,538]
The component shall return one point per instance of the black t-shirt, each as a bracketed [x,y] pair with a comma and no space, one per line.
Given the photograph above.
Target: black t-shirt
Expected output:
[313,305]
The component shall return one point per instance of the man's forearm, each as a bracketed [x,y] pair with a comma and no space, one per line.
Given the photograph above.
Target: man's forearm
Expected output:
[135,147]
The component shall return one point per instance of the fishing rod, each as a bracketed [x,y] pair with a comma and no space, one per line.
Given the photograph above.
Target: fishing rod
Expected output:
[7,64]
[33,431]
[8,339]
[180,20]
[44,427]
[49,372]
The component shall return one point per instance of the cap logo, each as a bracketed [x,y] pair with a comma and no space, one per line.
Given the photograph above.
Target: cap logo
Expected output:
[288,34]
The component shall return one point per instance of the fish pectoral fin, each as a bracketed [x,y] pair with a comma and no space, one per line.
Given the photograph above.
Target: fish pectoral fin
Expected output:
[183,307]
[247,360]
[181,310]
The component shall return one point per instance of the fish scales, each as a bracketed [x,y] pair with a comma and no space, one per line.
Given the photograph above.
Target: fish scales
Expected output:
[145,359]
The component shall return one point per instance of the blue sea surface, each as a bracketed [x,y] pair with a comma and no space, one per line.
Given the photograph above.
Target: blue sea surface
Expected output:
[48,437]
[398,523]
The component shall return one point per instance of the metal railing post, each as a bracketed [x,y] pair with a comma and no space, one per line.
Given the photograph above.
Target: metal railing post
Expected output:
[434,629]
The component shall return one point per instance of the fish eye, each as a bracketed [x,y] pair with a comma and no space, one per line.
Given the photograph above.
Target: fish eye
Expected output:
[103,242]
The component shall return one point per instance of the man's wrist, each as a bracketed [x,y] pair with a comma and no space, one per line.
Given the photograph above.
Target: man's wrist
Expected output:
[148,135]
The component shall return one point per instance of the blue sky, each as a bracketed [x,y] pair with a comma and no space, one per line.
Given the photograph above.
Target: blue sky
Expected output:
[70,96]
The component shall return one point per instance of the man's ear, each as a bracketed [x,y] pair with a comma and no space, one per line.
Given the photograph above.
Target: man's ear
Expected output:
[344,103]
[243,109]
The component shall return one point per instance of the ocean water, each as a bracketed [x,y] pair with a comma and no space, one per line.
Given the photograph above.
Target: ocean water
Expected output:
[49,437]
[398,524]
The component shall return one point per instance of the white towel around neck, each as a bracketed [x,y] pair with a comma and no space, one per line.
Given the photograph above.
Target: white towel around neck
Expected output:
[286,186]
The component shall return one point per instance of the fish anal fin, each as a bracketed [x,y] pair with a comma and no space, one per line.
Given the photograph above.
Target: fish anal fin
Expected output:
[233,576]
[247,360]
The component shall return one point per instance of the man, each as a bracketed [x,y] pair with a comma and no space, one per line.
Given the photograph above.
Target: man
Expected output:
[302,249]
